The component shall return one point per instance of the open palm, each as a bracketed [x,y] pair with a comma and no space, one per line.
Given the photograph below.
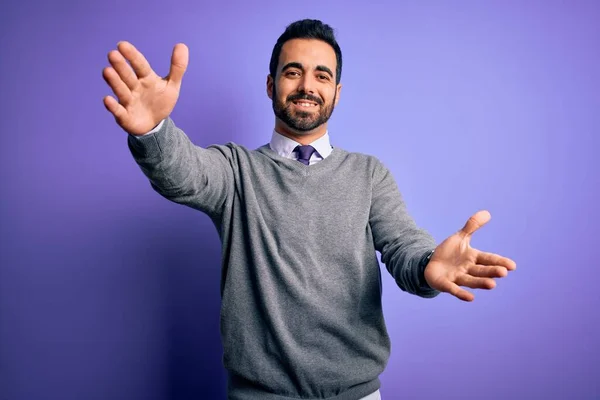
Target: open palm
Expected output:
[455,263]
[143,98]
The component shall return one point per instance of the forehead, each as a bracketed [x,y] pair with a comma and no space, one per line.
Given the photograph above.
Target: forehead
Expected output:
[308,52]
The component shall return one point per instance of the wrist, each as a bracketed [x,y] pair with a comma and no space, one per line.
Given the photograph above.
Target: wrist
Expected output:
[422,265]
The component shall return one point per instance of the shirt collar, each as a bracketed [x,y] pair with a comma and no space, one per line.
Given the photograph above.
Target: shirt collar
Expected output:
[285,146]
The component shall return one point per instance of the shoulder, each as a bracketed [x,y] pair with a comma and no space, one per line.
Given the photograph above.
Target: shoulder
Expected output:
[234,150]
[362,160]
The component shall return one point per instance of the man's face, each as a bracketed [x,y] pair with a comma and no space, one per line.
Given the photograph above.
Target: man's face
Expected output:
[304,92]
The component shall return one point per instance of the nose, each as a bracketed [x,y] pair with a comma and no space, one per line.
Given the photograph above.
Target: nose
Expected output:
[307,84]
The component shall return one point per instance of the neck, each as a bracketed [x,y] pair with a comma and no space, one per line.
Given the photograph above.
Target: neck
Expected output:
[302,137]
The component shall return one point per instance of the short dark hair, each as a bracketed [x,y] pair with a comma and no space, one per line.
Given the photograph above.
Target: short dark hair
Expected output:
[307,29]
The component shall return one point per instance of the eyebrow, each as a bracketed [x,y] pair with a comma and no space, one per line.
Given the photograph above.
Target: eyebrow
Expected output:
[295,64]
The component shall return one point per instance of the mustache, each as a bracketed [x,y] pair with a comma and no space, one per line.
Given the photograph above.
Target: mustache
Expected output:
[304,96]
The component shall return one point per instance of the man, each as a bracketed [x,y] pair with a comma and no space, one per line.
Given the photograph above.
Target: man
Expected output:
[300,222]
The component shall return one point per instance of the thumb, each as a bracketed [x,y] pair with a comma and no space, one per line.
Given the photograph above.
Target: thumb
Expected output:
[476,221]
[179,63]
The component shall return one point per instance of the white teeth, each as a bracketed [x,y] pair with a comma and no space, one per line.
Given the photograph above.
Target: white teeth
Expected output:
[306,104]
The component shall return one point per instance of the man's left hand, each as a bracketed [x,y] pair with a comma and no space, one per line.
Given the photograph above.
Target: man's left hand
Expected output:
[455,263]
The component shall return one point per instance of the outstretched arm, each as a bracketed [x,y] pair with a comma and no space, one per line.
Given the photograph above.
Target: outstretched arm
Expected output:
[177,169]
[402,244]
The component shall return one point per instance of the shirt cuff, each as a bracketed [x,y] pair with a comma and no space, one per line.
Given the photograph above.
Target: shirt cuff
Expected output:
[155,129]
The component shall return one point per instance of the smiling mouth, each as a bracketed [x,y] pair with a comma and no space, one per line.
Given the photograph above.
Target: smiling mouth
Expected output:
[305,105]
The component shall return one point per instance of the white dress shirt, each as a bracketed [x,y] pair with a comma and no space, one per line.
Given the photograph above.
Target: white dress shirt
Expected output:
[285,146]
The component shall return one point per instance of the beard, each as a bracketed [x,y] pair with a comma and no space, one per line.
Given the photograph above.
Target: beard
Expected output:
[302,121]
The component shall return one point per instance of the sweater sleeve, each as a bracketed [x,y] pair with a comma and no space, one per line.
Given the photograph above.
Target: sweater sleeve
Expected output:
[201,178]
[402,244]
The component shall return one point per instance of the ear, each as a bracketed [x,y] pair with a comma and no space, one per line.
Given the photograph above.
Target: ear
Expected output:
[270,86]
[338,90]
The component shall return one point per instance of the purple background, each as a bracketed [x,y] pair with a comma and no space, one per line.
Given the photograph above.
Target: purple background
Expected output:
[108,291]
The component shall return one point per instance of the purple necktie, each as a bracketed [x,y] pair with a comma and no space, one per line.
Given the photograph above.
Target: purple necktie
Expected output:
[304,153]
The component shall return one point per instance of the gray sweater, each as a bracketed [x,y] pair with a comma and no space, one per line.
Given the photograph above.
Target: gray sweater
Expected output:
[301,313]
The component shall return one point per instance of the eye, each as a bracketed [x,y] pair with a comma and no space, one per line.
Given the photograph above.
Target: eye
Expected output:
[324,77]
[292,73]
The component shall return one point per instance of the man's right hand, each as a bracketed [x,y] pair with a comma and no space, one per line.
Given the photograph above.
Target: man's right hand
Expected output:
[144,98]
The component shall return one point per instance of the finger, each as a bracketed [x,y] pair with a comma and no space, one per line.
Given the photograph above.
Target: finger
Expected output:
[125,72]
[487,271]
[476,221]
[495,259]
[179,63]
[116,109]
[138,62]
[119,87]
[476,283]
[455,290]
